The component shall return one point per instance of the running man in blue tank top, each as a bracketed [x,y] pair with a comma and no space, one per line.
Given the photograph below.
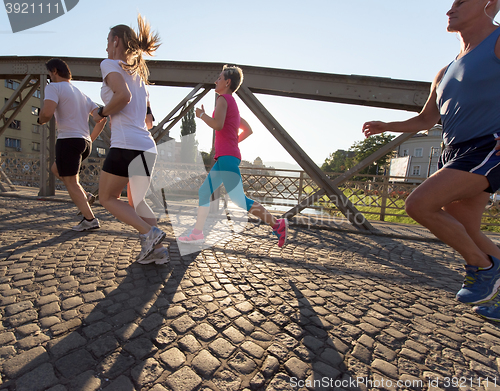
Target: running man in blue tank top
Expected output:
[465,95]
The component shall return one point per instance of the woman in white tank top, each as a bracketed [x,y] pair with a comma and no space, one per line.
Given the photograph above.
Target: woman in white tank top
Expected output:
[133,150]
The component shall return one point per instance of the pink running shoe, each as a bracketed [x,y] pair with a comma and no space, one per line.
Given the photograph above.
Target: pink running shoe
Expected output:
[281,231]
[192,238]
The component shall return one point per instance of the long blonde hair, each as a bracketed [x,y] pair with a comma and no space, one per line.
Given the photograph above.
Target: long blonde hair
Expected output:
[137,44]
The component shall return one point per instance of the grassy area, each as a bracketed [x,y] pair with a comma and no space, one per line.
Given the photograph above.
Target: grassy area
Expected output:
[373,212]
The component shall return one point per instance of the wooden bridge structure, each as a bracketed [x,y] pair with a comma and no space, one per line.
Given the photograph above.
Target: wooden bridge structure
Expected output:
[199,77]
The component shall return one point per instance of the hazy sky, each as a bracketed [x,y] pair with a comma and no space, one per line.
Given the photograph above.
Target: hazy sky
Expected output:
[386,38]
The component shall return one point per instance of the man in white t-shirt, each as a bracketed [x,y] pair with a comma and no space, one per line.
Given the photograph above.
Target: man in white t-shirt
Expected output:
[74,142]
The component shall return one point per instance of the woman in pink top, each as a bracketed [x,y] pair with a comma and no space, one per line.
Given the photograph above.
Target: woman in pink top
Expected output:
[226,122]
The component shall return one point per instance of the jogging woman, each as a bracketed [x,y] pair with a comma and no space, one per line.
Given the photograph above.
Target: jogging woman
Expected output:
[133,150]
[226,122]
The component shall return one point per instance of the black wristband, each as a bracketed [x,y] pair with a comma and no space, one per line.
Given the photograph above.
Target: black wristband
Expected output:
[148,111]
[99,111]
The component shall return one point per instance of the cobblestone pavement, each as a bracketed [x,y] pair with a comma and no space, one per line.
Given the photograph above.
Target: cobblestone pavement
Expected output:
[330,308]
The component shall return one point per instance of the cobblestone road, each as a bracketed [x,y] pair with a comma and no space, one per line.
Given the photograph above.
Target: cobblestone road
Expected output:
[330,308]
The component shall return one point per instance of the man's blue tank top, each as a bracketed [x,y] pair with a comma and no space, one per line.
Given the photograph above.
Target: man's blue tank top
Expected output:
[468,96]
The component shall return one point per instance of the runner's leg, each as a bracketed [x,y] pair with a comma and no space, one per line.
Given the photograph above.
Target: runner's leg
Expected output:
[426,206]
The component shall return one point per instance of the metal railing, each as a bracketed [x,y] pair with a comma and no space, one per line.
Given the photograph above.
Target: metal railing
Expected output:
[379,197]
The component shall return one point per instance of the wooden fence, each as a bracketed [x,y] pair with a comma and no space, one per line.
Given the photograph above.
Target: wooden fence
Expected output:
[379,197]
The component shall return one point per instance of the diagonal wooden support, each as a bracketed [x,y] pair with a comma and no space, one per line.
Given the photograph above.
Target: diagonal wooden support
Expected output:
[4,176]
[106,131]
[303,204]
[351,172]
[159,132]
[335,195]
[10,104]
[47,148]
[373,157]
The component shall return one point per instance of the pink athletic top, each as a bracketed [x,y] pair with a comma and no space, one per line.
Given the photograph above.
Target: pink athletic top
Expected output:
[226,139]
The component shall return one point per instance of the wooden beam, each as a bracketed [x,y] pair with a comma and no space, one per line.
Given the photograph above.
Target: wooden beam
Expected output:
[326,87]
[335,195]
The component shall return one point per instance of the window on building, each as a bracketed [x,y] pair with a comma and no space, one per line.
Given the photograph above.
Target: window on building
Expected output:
[419,152]
[15,125]
[416,171]
[101,151]
[13,143]
[37,94]
[36,146]
[36,128]
[11,84]
[434,151]
[405,152]
[16,103]
[35,110]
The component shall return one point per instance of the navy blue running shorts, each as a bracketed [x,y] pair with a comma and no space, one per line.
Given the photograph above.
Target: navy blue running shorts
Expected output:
[118,162]
[70,152]
[477,156]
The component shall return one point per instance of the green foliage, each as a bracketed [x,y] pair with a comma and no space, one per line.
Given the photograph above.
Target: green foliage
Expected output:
[341,161]
[207,159]
[189,145]
[363,149]
[336,162]
[188,124]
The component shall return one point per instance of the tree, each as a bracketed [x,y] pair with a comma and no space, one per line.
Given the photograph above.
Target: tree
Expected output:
[336,161]
[189,145]
[207,159]
[188,124]
[365,148]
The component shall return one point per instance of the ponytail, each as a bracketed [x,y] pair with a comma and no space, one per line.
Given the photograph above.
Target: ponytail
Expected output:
[137,44]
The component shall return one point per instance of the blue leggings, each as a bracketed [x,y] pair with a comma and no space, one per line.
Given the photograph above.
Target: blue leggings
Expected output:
[225,171]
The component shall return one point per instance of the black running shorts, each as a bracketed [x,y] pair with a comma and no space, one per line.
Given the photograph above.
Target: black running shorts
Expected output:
[70,152]
[129,162]
[478,156]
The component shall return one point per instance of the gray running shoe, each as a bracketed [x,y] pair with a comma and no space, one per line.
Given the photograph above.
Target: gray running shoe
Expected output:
[86,225]
[160,256]
[149,241]
[90,199]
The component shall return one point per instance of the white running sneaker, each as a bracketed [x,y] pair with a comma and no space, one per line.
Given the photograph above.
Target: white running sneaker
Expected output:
[149,241]
[86,225]
[160,256]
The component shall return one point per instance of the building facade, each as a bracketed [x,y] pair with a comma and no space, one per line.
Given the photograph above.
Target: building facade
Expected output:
[23,134]
[423,150]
